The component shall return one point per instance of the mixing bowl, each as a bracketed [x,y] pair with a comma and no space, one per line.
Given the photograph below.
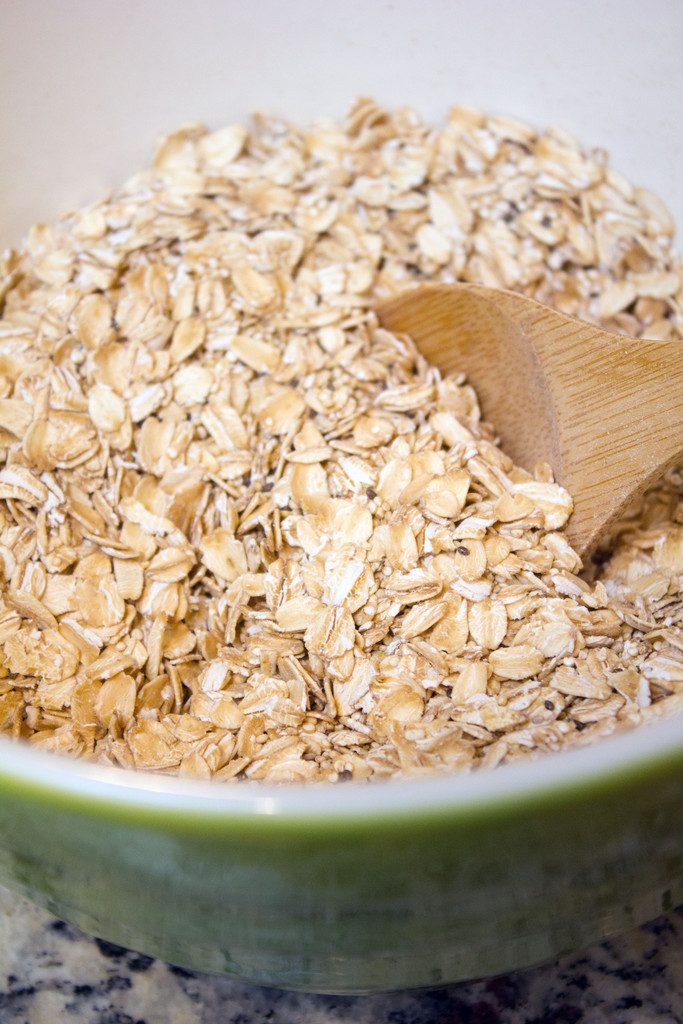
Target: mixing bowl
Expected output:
[343,888]
[354,887]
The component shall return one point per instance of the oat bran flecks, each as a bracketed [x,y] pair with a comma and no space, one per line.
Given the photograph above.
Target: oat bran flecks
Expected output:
[245,533]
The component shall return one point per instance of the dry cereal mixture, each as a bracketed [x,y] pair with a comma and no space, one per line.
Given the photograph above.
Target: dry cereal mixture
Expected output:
[245,533]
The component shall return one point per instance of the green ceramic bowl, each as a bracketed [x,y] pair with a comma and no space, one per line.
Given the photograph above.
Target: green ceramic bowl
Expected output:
[342,888]
[352,887]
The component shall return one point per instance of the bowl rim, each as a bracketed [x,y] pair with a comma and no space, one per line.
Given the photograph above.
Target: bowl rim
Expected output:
[612,761]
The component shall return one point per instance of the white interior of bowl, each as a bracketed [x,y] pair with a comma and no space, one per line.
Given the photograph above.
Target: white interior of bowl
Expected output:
[86,87]
[626,752]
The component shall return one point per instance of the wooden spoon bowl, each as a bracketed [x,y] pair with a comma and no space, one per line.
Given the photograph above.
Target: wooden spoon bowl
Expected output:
[604,410]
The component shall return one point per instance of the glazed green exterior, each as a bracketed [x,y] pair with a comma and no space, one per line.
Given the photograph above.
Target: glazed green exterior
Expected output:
[362,904]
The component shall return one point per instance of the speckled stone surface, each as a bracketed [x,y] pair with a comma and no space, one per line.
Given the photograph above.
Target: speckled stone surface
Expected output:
[51,973]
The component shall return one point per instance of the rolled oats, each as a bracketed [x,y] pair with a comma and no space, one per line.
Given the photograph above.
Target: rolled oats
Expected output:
[246,533]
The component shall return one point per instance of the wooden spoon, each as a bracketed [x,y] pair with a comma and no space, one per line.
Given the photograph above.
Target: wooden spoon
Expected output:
[604,410]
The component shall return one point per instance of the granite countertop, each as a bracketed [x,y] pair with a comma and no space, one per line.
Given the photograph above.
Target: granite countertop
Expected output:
[50,973]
